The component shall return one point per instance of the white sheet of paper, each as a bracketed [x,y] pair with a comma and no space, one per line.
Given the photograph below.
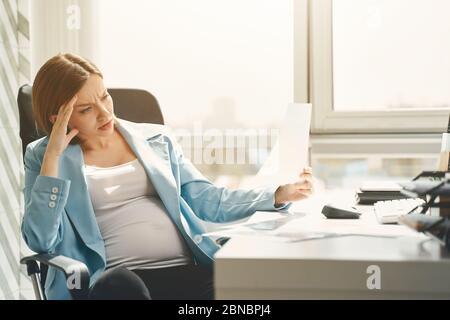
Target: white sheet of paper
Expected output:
[298,226]
[289,155]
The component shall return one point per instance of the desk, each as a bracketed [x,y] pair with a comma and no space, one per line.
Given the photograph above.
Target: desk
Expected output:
[410,266]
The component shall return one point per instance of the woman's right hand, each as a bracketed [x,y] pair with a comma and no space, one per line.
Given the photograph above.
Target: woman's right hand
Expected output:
[59,138]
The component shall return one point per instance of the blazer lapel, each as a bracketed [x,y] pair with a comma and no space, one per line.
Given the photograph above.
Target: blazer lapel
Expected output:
[79,206]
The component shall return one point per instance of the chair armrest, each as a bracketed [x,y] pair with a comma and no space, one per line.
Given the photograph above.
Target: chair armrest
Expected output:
[76,272]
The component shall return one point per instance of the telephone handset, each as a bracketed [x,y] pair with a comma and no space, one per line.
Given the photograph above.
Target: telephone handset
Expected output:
[448,133]
[430,176]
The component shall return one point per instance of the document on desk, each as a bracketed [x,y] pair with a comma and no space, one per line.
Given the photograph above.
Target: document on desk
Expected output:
[365,225]
[268,224]
[298,226]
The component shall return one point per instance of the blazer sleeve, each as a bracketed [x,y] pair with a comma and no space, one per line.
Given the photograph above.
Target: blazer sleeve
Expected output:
[218,204]
[45,199]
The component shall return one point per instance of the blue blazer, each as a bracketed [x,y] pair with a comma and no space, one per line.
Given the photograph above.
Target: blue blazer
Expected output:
[59,216]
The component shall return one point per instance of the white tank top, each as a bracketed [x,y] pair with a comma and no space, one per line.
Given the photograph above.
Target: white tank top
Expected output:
[135,226]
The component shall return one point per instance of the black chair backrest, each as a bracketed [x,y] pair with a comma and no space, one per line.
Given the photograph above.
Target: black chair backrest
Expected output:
[130,104]
[28,131]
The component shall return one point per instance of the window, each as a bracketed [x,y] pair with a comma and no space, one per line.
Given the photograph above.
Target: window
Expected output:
[213,65]
[345,161]
[226,62]
[380,65]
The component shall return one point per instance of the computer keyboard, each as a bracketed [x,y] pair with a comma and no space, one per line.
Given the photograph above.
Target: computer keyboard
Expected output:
[389,211]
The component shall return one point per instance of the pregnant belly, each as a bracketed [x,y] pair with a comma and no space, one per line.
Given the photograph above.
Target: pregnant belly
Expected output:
[141,232]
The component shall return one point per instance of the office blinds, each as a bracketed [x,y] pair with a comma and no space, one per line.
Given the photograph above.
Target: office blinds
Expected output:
[14,71]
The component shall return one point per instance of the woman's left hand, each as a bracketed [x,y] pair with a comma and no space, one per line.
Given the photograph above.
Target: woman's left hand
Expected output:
[299,190]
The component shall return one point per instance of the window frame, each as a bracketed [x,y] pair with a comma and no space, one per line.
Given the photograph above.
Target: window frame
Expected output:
[325,119]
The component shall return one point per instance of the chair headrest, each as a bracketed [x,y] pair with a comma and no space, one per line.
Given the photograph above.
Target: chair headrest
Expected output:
[28,131]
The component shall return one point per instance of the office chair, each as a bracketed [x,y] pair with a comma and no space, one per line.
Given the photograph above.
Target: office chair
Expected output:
[129,104]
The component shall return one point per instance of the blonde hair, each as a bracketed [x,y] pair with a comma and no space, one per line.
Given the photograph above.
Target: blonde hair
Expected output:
[56,82]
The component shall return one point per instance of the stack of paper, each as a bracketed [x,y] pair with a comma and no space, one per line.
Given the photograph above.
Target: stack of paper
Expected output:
[373,191]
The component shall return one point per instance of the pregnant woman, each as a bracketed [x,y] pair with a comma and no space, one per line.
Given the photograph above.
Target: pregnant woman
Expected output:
[120,197]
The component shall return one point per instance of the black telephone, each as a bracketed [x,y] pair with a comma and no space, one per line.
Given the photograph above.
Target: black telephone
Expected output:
[431,176]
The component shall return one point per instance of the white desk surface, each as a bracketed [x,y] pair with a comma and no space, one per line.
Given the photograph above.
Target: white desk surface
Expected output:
[285,263]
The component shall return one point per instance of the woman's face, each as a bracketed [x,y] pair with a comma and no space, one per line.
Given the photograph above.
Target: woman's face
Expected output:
[92,110]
